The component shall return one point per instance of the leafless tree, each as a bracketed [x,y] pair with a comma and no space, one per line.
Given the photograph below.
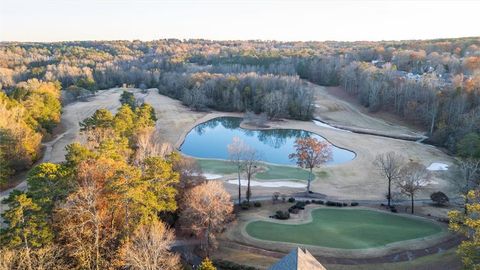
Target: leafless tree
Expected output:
[413,177]
[251,158]
[236,152]
[207,210]
[469,170]
[148,144]
[149,248]
[389,166]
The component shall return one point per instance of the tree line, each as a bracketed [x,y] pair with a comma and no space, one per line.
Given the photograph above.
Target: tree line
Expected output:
[29,112]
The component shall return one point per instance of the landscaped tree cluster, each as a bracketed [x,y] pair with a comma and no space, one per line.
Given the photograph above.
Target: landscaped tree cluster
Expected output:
[103,207]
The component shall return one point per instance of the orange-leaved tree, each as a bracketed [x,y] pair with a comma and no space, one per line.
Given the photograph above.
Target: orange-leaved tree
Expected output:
[311,153]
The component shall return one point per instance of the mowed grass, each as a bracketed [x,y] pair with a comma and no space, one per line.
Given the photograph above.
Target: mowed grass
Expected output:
[271,172]
[346,229]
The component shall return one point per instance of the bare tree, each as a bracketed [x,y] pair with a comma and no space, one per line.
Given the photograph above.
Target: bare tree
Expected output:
[206,211]
[389,166]
[235,152]
[469,169]
[413,177]
[148,144]
[311,153]
[251,157]
[149,248]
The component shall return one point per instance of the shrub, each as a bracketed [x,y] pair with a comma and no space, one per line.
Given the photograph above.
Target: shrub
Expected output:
[293,210]
[245,205]
[257,204]
[439,198]
[330,203]
[282,214]
[228,265]
[319,202]
[308,202]
[300,205]
[344,204]
[354,204]
[291,200]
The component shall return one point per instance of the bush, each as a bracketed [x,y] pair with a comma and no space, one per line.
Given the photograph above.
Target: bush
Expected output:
[344,204]
[439,198]
[257,204]
[228,265]
[293,210]
[318,202]
[308,202]
[291,200]
[300,205]
[337,204]
[282,214]
[245,205]
[354,204]
[330,203]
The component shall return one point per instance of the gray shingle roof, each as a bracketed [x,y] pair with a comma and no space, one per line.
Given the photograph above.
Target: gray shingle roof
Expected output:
[298,259]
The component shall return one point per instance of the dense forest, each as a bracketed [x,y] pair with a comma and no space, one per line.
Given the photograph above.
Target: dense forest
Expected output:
[431,83]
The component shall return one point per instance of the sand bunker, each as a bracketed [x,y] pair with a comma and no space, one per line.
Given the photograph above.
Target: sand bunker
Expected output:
[211,176]
[269,184]
[321,124]
[437,166]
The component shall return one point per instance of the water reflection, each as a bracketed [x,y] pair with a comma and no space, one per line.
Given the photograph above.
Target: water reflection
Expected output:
[210,140]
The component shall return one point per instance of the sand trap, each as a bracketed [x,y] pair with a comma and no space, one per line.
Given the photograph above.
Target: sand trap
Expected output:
[437,166]
[321,124]
[269,184]
[211,176]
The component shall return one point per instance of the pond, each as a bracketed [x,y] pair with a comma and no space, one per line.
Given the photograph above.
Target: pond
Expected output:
[210,140]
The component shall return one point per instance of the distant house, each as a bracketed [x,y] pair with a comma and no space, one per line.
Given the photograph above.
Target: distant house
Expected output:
[298,259]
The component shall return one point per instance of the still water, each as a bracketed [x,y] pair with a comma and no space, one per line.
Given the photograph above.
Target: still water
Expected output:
[210,140]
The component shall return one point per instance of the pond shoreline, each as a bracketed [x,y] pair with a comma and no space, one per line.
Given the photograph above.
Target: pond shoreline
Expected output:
[272,141]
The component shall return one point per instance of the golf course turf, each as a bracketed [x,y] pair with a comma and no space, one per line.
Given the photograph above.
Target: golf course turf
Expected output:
[272,172]
[345,229]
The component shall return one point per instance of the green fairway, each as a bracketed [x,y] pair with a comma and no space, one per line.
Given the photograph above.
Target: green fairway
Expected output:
[217,166]
[346,229]
[272,172]
[282,172]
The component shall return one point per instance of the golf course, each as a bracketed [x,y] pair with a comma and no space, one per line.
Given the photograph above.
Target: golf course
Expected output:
[346,229]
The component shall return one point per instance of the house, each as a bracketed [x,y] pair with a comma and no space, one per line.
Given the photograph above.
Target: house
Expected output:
[298,259]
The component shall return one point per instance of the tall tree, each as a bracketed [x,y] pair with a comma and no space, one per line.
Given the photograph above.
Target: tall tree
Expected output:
[26,226]
[235,153]
[389,166]
[149,248]
[311,153]
[128,98]
[413,177]
[251,159]
[49,183]
[209,204]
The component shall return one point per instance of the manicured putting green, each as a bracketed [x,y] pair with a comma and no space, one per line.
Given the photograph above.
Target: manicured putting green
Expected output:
[346,229]
[272,172]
